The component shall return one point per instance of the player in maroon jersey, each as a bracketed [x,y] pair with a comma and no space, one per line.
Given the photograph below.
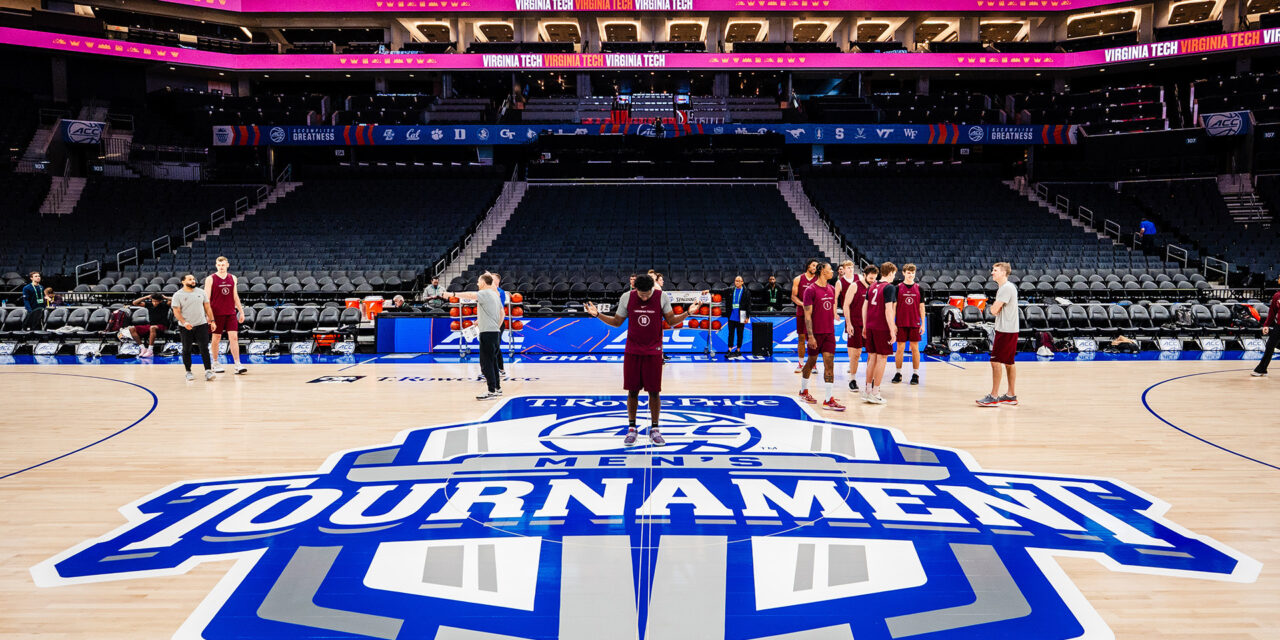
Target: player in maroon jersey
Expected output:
[879,328]
[228,313]
[853,319]
[645,308]
[820,327]
[910,312]
[843,283]
[798,286]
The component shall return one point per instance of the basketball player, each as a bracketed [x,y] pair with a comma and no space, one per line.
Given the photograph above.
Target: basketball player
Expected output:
[228,313]
[846,284]
[853,319]
[879,328]
[910,318]
[1272,322]
[1005,346]
[643,309]
[820,327]
[798,286]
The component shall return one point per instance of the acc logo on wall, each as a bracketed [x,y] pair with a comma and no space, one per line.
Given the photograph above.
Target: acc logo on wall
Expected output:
[757,521]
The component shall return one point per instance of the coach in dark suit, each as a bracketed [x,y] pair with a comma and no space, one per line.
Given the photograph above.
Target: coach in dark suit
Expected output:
[737,309]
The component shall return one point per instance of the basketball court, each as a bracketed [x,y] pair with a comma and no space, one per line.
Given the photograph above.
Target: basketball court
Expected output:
[1144,490]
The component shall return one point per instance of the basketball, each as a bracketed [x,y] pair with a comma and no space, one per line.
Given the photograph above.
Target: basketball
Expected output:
[519,324]
[715,325]
[716,298]
[454,326]
[677,309]
[453,312]
[467,323]
[517,298]
[715,311]
[517,312]
[453,300]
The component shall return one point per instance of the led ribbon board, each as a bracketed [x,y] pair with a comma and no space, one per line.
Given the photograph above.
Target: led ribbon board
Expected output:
[755,522]
[1238,41]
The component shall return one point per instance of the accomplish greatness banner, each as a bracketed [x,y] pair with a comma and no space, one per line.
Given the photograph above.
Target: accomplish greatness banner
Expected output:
[392,135]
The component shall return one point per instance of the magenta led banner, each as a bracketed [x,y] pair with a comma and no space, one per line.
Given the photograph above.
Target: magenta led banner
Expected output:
[634,6]
[604,61]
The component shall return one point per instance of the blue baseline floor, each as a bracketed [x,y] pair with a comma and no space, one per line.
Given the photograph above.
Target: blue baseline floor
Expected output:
[425,358]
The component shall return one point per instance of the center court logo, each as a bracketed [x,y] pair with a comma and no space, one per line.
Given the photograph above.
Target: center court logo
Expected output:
[756,522]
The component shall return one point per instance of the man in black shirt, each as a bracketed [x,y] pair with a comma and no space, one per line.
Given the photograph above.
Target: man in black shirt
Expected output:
[774,294]
[157,307]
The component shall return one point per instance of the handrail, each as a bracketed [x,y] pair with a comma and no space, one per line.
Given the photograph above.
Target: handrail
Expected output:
[130,254]
[190,232]
[1086,214]
[1173,252]
[1062,201]
[1042,190]
[82,271]
[217,218]
[1111,228]
[1136,241]
[1210,263]
[286,175]
[261,194]
[439,267]
[242,205]
[162,241]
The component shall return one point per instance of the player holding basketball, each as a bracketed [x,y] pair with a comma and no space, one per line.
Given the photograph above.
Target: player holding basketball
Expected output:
[910,311]
[228,313]
[820,327]
[879,329]
[853,319]
[644,310]
[798,286]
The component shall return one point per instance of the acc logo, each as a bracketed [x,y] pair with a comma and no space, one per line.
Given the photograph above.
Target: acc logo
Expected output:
[1224,124]
[756,522]
[84,132]
[976,134]
[277,134]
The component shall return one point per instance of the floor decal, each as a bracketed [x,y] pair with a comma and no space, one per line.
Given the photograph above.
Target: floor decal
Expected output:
[756,521]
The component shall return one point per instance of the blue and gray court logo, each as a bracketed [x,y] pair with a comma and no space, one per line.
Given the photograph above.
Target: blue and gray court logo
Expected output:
[756,522]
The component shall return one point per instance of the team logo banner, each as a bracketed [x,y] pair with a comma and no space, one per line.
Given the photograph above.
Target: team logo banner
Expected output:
[1230,123]
[756,522]
[399,135]
[82,131]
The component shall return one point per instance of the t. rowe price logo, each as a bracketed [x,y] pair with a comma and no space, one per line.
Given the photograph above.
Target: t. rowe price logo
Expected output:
[756,521]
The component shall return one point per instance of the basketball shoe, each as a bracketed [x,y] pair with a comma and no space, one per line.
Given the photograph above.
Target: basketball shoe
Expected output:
[807,397]
[832,404]
[656,438]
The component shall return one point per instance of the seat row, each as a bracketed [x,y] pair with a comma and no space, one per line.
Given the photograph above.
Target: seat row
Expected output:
[287,322]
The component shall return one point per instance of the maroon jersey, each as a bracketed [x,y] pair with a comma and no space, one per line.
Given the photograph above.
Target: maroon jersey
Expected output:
[823,300]
[805,283]
[1273,312]
[222,297]
[859,297]
[879,295]
[844,291]
[644,324]
[908,311]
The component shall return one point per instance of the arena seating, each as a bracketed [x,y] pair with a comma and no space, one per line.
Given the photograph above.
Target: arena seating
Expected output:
[901,217]
[1256,92]
[113,214]
[575,242]
[1114,110]
[1196,210]
[341,234]
[1106,204]
[407,109]
[17,124]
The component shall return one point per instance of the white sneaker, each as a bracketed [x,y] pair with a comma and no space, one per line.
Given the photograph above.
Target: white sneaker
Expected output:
[799,368]
[190,376]
[208,375]
[240,369]
[1259,374]
[147,352]
[876,399]
[217,368]
[498,392]
[488,395]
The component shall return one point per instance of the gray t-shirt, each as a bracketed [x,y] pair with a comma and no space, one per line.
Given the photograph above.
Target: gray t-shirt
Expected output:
[622,304]
[488,310]
[191,305]
[1007,319]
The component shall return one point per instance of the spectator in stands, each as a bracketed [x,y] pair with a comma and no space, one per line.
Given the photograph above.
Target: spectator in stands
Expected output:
[773,294]
[1272,328]
[195,324]
[632,283]
[737,308]
[398,304]
[51,299]
[1004,348]
[34,301]
[1147,231]
[433,291]
[489,322]
[157,307]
